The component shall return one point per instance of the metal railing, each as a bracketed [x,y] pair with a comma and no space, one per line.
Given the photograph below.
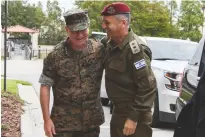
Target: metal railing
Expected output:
[40,54]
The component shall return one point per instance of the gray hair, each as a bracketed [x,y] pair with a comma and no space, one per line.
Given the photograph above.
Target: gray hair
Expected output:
[127,17]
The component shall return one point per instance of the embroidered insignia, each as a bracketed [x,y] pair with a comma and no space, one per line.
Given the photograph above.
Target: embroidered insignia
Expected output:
[134,46]
[111,10]
[140,64]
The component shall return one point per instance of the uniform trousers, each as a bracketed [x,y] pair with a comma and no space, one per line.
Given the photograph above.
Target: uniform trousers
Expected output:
[117,125]
[89,133]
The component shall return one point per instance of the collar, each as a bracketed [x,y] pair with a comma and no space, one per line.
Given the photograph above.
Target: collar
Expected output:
[67,50]
[127,39]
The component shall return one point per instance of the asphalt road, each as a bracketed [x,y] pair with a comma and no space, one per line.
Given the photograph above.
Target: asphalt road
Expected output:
[31,70]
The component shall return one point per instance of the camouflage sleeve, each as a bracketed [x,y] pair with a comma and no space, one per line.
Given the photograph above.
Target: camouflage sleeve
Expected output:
[145,87]
[48,73]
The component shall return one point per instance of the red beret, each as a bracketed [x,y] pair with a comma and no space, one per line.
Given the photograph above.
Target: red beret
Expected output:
[115,8]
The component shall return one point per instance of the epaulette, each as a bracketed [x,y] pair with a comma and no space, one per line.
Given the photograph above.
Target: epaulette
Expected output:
[146,49]
[134,46]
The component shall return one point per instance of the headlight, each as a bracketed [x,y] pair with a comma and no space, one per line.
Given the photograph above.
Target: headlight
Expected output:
[174,79]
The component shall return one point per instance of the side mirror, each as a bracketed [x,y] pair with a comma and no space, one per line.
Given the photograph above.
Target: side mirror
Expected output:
[198,78]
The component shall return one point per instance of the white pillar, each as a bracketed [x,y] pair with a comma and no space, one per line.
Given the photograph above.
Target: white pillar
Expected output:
[34,40]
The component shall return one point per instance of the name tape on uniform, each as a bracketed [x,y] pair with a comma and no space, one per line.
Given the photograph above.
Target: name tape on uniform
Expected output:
[140,64]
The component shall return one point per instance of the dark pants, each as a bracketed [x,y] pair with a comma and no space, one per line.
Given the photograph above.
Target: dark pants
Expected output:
[117,124]
[89,133]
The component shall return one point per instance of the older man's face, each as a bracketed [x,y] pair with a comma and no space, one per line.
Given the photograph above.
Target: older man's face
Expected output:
[111,25]
[78,38]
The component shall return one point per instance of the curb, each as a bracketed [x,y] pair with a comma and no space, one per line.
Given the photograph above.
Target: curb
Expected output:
[32,119]
[26,123]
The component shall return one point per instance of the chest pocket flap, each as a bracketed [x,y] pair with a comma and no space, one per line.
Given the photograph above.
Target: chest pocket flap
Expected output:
[118,65]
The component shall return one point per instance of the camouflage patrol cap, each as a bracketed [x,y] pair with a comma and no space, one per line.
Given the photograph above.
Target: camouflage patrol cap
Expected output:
[77,19]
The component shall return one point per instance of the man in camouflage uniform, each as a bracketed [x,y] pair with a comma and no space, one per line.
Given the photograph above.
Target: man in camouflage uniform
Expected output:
[74,71]
[129,80]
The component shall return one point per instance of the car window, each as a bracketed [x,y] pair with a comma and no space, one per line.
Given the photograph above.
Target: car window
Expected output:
[180,50]
[202,63]
[196,58]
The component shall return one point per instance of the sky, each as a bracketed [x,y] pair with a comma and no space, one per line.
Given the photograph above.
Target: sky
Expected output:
[64,4]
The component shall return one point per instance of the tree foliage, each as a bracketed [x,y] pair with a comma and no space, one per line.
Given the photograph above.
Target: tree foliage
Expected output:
[191,19]
[154,18]
[22,13]
[150,19]
[50,24]
[53,30]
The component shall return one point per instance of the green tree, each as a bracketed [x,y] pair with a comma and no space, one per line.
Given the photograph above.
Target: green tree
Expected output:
[191,19]
[22,13]
[173,18]
[52,31]
[148,18]
[173,9]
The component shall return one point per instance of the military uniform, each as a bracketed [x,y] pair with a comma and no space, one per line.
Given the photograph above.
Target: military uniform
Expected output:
[130,85]
[129,80]
[75,77]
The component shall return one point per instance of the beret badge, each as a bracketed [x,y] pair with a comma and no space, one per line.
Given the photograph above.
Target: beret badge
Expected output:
[111,10]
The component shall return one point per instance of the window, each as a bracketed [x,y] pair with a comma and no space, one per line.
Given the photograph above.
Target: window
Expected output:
[178,50]
[195,60]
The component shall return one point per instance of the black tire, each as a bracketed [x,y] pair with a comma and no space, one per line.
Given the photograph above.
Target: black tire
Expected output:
[155,119]
[104,101]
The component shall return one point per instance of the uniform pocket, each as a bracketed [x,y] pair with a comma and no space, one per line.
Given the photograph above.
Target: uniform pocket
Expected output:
[119,66]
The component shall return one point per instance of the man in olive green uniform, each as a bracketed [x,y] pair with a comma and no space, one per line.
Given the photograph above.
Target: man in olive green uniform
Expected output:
[129,80]
[74,71]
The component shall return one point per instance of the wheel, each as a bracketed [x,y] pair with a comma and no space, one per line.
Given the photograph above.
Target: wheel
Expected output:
[155,119]
[104,101]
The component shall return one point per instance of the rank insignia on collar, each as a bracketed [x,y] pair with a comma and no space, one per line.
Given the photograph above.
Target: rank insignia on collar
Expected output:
[111,10]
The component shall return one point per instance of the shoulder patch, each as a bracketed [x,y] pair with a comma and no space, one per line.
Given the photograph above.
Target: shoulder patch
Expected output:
[134,47]
[140,64]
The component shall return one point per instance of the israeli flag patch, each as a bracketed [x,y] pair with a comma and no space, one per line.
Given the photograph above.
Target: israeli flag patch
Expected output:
[140,64]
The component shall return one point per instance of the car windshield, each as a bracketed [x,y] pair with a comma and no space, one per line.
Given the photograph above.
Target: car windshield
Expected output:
[171,50]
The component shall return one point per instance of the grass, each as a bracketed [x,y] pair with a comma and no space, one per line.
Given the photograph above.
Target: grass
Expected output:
[12,85]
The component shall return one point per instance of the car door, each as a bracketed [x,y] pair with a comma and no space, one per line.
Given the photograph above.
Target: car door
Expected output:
[191,74]
[193,69]
[202,64]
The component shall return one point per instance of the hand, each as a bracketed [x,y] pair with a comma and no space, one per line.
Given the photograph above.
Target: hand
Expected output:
[49,128]
[129,127]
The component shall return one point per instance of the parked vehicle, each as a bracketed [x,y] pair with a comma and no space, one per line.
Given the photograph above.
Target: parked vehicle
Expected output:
[97,35]
[191,76]
[169,58]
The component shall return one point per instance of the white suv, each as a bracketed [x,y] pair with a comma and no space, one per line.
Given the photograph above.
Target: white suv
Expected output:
[169,58]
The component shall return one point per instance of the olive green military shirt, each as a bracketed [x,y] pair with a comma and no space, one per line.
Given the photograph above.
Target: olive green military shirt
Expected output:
[75,77]
[129,80]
